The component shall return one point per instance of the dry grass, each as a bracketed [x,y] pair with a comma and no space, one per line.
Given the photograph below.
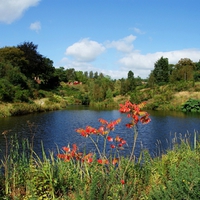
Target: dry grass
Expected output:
[180,98]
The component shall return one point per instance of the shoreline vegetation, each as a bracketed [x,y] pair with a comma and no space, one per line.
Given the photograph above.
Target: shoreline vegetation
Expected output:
[70,174]
[30,83]
[159,98]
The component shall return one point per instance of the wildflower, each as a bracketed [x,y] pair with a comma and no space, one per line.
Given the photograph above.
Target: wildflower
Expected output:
[103,161]
[101,130]
[103,121]
[110,139]
[145,119]
[112,146]
[67,149]
[134,111]
[87,131]
[122,182]
[115,161]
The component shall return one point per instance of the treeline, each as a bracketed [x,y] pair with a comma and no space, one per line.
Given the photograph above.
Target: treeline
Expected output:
[26,75]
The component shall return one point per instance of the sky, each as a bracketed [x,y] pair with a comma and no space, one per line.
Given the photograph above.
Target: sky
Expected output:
[105,36]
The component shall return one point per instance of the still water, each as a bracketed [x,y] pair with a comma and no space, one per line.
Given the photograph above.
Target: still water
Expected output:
[57,129]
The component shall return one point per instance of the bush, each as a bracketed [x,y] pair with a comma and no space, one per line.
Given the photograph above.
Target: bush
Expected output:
[192,105]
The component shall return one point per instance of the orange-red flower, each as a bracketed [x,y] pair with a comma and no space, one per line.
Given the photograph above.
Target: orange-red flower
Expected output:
[122,182]
[103,121]
[87,131]
[134,111]
[110,139]
[70,153]
[115,161]
[112,146]
[67,149]
[103,161]
[145,119]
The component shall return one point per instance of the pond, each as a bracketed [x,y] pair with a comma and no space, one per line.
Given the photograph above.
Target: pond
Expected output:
[57,129]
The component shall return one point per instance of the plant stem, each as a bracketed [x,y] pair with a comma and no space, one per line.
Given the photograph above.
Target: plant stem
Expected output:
[95,144]
[133,149]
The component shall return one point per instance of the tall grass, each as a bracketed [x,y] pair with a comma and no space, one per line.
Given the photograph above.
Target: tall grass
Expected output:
[174,175]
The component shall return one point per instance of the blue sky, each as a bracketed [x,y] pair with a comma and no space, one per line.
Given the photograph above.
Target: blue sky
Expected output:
[108,36]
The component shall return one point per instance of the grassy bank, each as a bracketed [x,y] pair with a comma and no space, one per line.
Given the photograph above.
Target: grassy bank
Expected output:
[174,175]
[40,105]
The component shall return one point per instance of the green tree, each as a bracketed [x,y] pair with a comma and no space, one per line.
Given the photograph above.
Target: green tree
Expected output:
[183,70]
[7,90]
[130,81]
[71,74]
[161,71]
[36,65]
[61,73]
[12,55]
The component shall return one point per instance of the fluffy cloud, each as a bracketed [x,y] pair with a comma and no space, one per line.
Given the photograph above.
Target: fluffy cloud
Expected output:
[123,45]
[36,26]
[10,10]
[85,50]
[142,65]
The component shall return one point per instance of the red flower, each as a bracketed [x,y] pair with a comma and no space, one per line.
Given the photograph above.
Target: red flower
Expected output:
[103,161]
[118,139]
[112,146]
[123,141]
[89,160]
[87,131]
[145,119]
[115,161]
[129,125]
[103,121]
[101,130]
[135,112]
[122,182]
[110,139]
[67,149]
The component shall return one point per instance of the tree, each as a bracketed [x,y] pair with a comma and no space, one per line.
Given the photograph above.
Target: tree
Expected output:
[71,74]
[12,55]
[161,71]
[36,65]
[130,81]
[183,70]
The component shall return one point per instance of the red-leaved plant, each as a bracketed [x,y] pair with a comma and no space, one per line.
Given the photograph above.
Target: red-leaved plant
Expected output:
[136,115]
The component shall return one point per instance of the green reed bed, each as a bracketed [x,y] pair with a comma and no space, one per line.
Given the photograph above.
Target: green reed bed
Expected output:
[74,175]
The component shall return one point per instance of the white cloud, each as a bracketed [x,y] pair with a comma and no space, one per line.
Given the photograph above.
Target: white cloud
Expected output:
[85,50]
[123,45]
[142,65]
[36,26]
[137,30]
[10,10]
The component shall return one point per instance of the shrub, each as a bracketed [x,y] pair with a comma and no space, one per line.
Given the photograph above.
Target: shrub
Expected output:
[192,105]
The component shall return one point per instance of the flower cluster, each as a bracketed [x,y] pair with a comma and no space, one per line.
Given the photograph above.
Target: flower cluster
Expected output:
[135,113]
[72,153]
[104,129]
[119,142]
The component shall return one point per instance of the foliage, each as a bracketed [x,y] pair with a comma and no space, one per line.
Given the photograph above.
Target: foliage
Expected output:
[183,70]
[27,76]
[161,71]
[192,105]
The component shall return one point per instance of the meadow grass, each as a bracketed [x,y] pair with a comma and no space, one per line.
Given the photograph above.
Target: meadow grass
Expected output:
[174,175]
